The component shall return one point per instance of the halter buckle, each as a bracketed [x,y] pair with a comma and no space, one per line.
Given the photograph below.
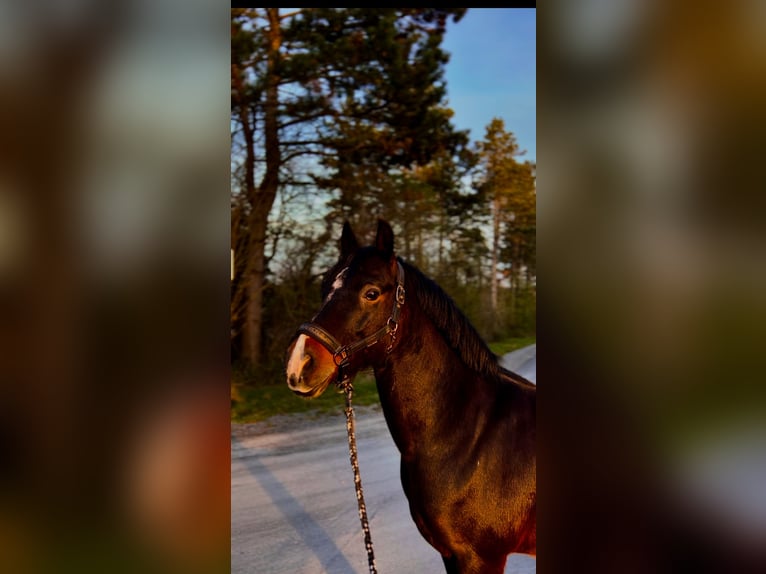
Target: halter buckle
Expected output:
[340,357]
[400,294]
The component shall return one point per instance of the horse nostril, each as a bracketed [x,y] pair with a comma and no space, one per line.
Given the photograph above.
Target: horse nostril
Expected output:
[292,380]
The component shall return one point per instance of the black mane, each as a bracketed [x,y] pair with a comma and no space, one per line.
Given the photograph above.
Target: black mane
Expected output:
[457,330]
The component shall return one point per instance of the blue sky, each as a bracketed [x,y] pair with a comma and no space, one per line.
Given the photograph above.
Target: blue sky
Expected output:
[491,72]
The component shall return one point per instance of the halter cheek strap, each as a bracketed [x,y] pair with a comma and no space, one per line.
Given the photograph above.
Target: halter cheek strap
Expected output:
[342,353]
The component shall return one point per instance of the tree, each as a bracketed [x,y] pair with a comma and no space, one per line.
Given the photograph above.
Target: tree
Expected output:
[359,90]
[251,104]
[509,187]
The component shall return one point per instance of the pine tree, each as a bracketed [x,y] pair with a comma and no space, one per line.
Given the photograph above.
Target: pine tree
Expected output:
[360,90]
[509,188]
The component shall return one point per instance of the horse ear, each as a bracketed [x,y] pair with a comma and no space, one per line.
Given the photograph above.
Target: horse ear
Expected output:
[348,242]
[384,240]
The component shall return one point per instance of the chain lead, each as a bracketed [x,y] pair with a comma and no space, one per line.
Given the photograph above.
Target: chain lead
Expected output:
[348,388]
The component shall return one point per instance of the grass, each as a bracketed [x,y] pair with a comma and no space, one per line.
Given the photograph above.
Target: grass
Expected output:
[257,402]
[511,344]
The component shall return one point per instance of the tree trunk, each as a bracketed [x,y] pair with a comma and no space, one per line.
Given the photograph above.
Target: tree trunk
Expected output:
[495,254]
[262,198]
[254,289]
[440,258]
[514,291]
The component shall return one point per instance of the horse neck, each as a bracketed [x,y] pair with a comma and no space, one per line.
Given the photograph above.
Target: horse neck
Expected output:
[425,389]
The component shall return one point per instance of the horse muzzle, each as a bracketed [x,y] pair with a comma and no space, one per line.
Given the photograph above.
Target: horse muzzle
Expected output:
[310,367]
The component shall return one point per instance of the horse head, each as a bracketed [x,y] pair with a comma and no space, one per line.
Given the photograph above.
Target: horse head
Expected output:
[362,295]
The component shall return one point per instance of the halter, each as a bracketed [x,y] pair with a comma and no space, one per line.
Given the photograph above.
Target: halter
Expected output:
[341,354]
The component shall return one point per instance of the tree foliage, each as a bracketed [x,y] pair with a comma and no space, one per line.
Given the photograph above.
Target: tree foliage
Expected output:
[341,114]
[358,90]
[509,189]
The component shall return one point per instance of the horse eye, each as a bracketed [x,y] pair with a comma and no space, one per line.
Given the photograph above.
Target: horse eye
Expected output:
[372,294]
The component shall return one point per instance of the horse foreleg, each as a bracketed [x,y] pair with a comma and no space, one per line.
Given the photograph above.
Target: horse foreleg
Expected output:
[471,563]
[450,565]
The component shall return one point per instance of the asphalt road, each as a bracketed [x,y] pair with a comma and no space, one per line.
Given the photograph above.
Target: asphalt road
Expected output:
[293,508]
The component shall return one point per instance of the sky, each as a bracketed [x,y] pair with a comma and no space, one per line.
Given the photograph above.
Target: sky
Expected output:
[491,72]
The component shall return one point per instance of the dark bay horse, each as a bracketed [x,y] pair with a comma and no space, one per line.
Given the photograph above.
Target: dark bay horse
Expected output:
[465,427]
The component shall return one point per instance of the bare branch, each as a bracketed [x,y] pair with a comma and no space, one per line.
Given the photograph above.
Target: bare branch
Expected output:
[291,14]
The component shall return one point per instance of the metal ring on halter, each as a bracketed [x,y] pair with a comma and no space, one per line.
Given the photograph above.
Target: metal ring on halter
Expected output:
[400,293]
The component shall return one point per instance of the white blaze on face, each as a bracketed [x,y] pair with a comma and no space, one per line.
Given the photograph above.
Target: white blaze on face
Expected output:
[298,358]
[337,284]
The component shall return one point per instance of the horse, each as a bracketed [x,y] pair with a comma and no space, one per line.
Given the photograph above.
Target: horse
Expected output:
[464,425]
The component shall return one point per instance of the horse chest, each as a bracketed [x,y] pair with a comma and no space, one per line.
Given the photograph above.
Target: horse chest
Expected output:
[453,515]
